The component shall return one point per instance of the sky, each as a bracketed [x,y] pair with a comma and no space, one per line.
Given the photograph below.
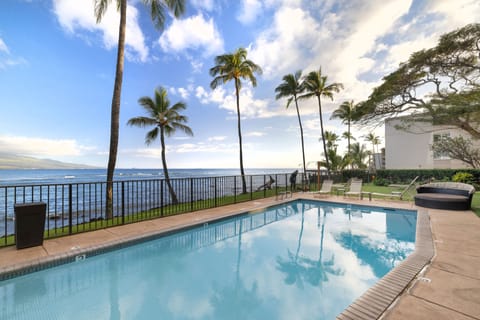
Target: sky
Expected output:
[57,68]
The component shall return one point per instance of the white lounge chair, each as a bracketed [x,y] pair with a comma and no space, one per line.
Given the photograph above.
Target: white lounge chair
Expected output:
[326,188]
[396,194]
[355,188]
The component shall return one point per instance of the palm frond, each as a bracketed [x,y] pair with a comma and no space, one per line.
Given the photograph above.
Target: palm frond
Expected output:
[141,122]
[159,8]
[152,135]
[101,8]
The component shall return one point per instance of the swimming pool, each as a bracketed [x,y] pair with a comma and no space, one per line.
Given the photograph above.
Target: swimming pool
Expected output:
[300,260]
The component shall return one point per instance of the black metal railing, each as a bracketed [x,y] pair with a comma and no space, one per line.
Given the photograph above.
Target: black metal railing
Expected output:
[79,207]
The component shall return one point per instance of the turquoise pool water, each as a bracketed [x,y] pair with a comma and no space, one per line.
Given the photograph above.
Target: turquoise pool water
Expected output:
[301,260]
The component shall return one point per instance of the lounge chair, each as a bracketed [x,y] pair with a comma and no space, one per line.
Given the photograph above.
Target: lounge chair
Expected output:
[326,188]
[355,188]
[397,194]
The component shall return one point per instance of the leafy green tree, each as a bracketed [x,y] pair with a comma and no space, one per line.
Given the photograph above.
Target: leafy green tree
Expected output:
[157,11]
[166,120]
[316,86]
[346,113]
[440,85]
[292,88]
[459,148]
[235,66]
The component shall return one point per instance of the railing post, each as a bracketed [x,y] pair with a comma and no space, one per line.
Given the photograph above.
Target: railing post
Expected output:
[234,189]
[251,187]
[276,185]
[161,198]
[70,209]
[191,194]
[123,202]
[264,188]
[215,190]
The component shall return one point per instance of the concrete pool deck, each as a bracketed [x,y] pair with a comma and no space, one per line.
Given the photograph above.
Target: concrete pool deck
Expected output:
[448,288]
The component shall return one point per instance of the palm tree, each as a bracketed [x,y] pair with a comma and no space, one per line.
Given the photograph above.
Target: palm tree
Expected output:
[375,141]
[345,113]
[291,88]
[331,139]
[158,16]
[316,85]
[359,153]
[166,119]
[235,66]
[336,162]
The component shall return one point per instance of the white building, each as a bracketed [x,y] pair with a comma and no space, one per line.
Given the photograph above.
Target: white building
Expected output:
[412,149]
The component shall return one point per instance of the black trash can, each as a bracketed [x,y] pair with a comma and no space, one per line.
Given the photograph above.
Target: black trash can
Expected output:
[29,224]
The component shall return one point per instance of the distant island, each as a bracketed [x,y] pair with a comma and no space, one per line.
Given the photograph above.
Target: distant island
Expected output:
[12,161]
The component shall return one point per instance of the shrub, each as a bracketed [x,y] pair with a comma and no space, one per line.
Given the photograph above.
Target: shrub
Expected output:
[381,182]
[464,177]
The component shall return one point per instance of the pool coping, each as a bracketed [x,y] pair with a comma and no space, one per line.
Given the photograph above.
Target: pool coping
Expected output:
[378,299]
[79,254]
[372,304]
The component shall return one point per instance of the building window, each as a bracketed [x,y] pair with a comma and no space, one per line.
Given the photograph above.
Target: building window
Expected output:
[437,138]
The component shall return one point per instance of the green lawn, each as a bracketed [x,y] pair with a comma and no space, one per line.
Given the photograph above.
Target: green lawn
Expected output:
[369,187]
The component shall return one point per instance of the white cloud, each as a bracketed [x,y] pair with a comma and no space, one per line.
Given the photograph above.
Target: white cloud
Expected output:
[3,47]
[183,93]
[41,147]
[279,49]
[456,13]
[192,33]
[249,106]
[6,58]
[75,18]
[255,134]
[250,10]
[217,138]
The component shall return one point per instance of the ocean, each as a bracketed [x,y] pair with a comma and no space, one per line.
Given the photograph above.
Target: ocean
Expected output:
[83,190]
[61,176]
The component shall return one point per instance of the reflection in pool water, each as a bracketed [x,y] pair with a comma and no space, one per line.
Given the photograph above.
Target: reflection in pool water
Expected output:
[302,260]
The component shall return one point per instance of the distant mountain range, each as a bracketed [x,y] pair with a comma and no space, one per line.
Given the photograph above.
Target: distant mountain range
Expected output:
[12,161]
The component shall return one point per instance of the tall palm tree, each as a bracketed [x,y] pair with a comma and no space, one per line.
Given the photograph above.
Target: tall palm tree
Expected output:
[345,113]
[291,88]
[166,120]
[375,141]
[158,7]
[235,66]
[316,85]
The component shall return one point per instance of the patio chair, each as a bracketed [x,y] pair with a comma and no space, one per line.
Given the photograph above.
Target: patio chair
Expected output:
[397,194]
[326,188]
[355,188]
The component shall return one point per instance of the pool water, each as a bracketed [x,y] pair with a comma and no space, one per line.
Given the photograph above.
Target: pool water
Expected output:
[300,260]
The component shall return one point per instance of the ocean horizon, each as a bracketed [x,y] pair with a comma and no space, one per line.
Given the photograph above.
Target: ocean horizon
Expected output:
[65,176]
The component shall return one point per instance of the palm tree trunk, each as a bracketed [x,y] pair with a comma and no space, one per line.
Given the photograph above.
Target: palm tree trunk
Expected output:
[323,135]
[348,126]
[348,141]
[115,113]
[165,169]
[301,137]
[242,172]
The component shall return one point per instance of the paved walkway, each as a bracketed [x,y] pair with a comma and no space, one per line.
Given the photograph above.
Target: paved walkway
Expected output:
[448,289]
